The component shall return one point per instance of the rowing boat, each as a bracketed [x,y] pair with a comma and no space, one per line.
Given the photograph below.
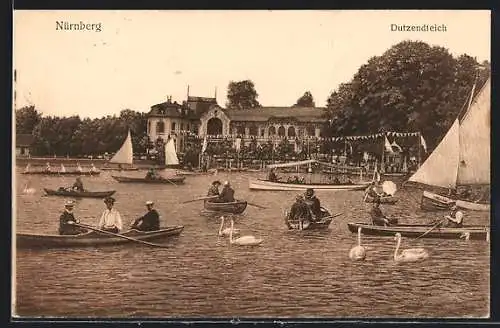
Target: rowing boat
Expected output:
[389,200]
[92,238]
[56,173]
[423,231]
[323,223]
[170,180]
[432,201]
[79,194]
[260,184]
[236,207]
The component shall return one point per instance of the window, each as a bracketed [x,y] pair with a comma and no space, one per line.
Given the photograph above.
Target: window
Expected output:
[310,130]
[160,127]
[253,131]
[262,131]
[173,126]
[272,130]
[291,131]
[240,130]
[281,131]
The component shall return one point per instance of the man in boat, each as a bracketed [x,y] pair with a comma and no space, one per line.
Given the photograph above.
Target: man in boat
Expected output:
[272,176]
[78,185]
[227,193]
[373,193]
[378,218]
[93,168]
[299,209]
[149,221]
[66,220]
[152,175]
[313,204]
[454,219]
[214,190]
[48,168]
[111,220]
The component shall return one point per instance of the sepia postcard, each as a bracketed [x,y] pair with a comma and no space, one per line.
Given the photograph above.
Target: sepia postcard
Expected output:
[251,164]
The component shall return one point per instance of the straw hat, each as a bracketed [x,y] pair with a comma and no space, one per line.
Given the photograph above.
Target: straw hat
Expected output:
[109,199]
[149,202]
[226,183]
[216,182]
[69,203]
[309,192]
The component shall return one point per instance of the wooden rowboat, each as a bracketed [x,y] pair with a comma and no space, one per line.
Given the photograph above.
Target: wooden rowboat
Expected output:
[432,201]
[323,223]
[55,173]
[79,194]
[91,239]
[414,231]
[389,200]
[236,207]
[171,180]
[259,184]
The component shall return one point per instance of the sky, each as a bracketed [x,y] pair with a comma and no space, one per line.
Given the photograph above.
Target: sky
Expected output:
[141,57]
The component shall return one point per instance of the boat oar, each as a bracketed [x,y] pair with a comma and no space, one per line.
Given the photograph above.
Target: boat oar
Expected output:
[199,198]
[425,233]
[257,205]
[332,216]
[118,235]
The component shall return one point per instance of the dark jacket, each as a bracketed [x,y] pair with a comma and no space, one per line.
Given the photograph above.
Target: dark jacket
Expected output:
[213,191]
[299,210]
[227,195]
[377,216]
[314,205]
[78,185]
[148,222]
[68,229]
[272,177]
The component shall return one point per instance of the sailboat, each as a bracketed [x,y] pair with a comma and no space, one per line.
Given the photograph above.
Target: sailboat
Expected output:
[462,158]
[125,155]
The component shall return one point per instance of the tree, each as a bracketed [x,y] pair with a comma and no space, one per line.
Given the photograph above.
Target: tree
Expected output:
[242,95]
[305,101]
[26,119]
[412,87]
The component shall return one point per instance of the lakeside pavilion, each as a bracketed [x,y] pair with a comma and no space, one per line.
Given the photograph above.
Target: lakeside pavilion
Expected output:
[202,117]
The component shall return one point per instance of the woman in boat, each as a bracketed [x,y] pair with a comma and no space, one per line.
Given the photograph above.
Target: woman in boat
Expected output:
[227,194]
[149,221]
[78,185]
[111,220]
[313,203]
[299,209]
[214,190]
[66,220]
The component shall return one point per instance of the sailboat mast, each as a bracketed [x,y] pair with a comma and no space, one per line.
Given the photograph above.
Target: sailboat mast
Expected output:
[382,166]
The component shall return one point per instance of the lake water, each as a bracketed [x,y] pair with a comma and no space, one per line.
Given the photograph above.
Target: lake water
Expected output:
[292,274]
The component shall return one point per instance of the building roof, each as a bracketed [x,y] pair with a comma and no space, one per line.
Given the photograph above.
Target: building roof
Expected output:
[263,114]
[166,109]
[24,140]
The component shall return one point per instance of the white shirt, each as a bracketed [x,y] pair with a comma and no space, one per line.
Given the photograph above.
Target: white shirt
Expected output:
[110,218]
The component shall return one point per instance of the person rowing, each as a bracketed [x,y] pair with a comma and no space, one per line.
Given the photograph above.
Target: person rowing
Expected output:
[213,190]
[78,185]
[48,169]
[149,221]
[299,209]
[152,174]
[454,219]
[93,169]
[272,176]
[67,219]
[373,193]
[378,218]
[110,220]
[313,204]
[227,193]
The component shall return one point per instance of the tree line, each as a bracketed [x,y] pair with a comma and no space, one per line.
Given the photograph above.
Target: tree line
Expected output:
[411,87]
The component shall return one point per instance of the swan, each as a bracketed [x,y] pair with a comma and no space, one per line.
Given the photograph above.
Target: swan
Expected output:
[409,255]
[226,232]
[358,253]
[28,190]
[243,241]
[465,235]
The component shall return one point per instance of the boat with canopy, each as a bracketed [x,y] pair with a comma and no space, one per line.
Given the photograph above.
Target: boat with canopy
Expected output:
[462,158]
[125,155]
[263,184]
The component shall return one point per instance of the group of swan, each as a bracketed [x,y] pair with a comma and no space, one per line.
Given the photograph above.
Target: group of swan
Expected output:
[358,252]
[240,241]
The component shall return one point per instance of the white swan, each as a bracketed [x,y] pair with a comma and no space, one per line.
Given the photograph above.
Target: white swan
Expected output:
[358,253]
[243,241]
[409,255]
[226,232]
[28,189]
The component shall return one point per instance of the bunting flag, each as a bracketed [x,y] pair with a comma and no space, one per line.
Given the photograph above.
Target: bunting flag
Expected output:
[388,147]
[422,142]
[204,147]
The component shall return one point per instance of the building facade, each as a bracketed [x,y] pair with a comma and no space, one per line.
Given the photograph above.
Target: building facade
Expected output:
[204,117]
[23,144]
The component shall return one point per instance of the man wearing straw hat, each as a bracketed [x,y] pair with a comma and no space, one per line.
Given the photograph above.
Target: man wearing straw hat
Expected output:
[67,219]
[149,221]
[111,220]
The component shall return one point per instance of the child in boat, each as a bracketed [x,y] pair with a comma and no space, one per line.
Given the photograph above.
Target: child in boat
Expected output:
[66,220]
[149,221]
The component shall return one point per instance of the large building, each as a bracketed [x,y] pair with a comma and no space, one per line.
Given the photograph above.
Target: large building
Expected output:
[204,117]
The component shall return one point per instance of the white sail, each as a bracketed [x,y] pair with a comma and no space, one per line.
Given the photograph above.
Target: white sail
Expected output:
[170,153]
[125,154]
[440,168]
[474,164]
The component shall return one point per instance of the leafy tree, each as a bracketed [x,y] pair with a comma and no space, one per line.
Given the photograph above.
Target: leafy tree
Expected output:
[306,100]
[242,95]
[26,119]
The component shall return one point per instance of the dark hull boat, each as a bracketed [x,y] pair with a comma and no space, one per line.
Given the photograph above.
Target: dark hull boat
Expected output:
[79,194]
[323,223]
[55,173]
[236,207]
[389,200]
[414,231]
[171,180]
[91,239]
